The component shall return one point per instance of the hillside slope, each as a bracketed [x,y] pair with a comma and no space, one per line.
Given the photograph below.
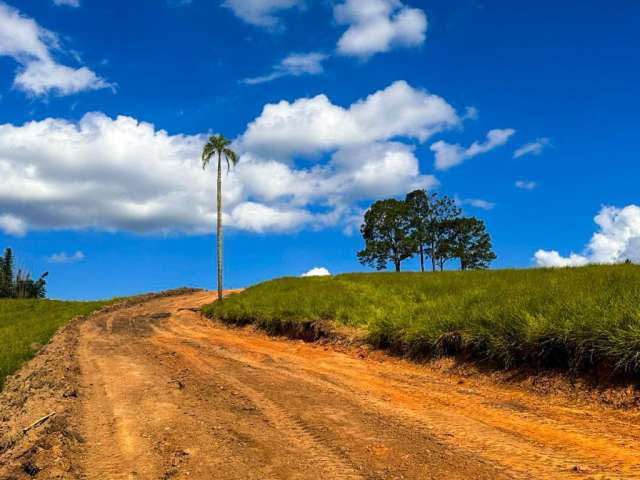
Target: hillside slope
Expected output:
[580,319]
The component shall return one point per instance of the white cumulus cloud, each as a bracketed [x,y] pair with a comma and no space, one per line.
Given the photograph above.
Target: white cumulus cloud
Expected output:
[317,272]
[311,125]
[449,155]
[262,13]
[64,257]
[41,77]
[295,64]
[258,217]
[533,148]
[551,258]
[123,174]
[32,46]
[617,240]
[376,26]
[103,173]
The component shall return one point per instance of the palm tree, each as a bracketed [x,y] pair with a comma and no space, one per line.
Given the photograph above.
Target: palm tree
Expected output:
[219,146]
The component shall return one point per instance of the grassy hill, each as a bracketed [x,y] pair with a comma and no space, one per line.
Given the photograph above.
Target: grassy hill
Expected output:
[578,318]
[25,324]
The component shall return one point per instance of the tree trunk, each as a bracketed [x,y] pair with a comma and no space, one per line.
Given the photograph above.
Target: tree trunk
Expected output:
[219,236]
[422,258]
[397,262]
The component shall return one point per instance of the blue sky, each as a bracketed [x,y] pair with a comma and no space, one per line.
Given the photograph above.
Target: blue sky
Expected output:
[526,112]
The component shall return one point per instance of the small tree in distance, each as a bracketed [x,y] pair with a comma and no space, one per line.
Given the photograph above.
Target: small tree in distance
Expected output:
[387,234]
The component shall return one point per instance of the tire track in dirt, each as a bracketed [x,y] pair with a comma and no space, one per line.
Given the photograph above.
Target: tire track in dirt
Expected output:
[321,455]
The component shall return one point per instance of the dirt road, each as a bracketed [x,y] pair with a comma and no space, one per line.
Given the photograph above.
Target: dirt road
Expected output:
[157,392]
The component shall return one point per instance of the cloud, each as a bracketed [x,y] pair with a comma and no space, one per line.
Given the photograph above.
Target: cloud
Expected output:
[533,148]
[260,218]
[526,184]
[103,173]
[63,257]
[476,202]
[317,272]
[39,78]
[67,3]
[308,126]
[295,64]
[12,225]
[351,175]
[449,155]
[552,258]
[617,240]
[22,39]
[376,26]
[261,13]
[119,173]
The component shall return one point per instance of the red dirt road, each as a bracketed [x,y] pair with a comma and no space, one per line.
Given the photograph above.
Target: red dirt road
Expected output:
[151,391]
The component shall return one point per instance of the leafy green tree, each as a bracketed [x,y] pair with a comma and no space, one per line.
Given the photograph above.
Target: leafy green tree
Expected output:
[447,234]
[430,216]
[471,243]
[421,213]
[445,211]
[218,147]
[387,234]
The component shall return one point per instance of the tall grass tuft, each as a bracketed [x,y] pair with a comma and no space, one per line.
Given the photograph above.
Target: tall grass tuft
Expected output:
[574,318]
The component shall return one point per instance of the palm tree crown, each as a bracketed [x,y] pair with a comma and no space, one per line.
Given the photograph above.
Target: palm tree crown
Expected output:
[218,145]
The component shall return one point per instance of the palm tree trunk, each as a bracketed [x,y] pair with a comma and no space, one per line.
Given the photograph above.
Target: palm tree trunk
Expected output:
[219,239]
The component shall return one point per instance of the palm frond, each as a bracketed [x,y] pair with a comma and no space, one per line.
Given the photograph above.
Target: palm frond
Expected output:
[207,153]
[231,157]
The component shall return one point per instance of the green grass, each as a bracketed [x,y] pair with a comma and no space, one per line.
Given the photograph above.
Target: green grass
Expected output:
[578,319]
[24,323]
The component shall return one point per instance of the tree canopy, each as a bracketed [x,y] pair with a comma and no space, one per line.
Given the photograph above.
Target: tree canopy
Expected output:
[387,234]
[471,243]
[426,225]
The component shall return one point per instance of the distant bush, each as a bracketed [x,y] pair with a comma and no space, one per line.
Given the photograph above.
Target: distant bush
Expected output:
[19,284]
[575,318]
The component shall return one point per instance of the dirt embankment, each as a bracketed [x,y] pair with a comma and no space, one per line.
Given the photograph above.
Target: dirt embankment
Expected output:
[154,391]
